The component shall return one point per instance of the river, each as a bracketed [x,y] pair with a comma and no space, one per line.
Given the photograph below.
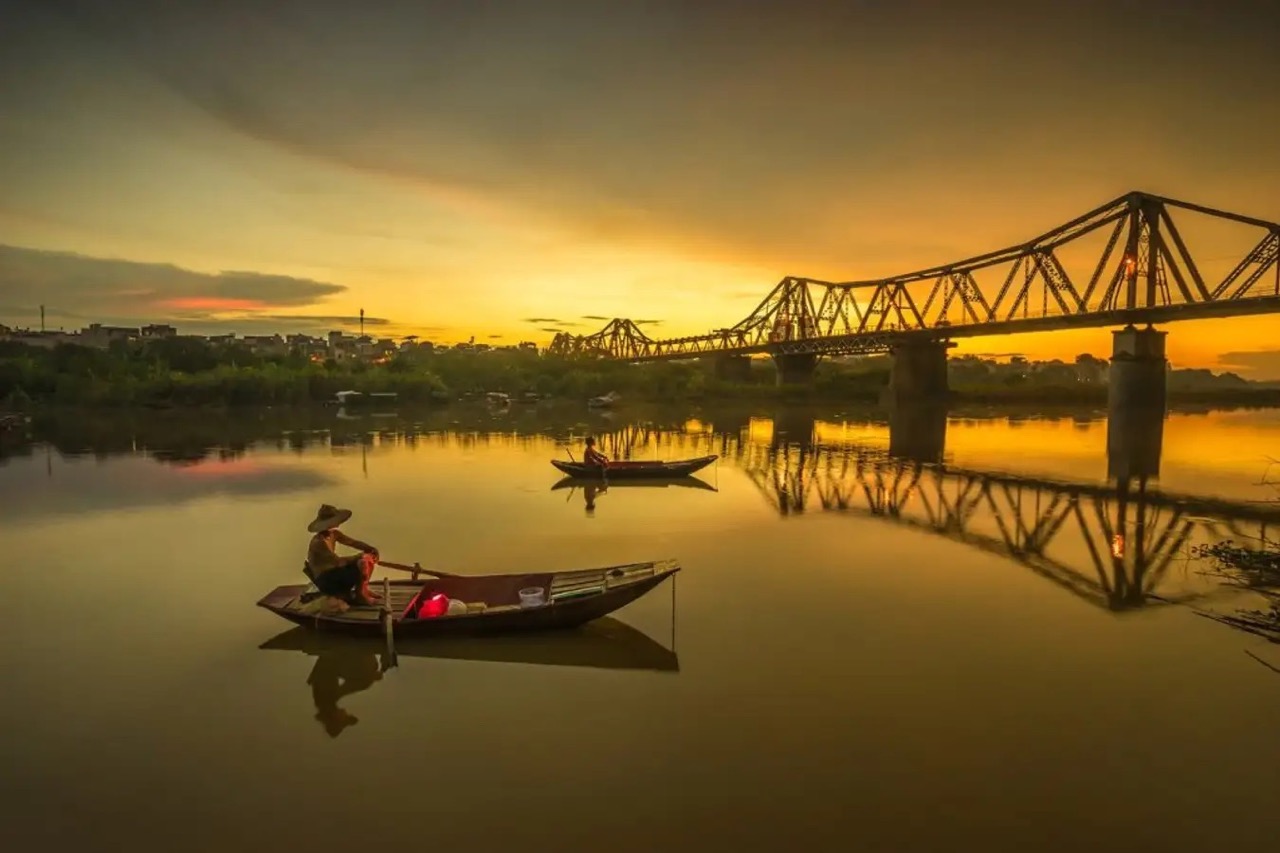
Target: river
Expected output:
[864,650]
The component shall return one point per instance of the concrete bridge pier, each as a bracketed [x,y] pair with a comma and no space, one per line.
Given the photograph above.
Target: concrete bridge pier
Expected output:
[732,368]
[1139,370]
[793,428]
[795,368]
[918,431]
[919,372]
[1136,403]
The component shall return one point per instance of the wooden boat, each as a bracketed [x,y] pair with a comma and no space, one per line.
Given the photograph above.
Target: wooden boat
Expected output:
[650,482]
[356,398]
[605,643]
[604,401]
[494,602]
[635,470]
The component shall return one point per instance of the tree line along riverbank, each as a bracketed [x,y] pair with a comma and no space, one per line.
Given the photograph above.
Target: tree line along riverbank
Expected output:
[181,373]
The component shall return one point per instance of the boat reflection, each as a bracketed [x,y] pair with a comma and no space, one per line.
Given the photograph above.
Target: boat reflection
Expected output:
[348,665]
[592,486]
[655,483]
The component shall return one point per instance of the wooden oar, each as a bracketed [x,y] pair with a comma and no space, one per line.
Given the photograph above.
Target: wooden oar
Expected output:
[416,569]
[388,627]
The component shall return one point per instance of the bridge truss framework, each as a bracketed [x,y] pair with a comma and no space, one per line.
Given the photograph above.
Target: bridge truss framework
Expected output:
[1145,273]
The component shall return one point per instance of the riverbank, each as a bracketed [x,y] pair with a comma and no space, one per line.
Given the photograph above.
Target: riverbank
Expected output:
[156,377]
[248,390]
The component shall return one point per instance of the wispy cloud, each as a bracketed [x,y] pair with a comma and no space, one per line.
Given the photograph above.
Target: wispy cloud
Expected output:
[536,320]
[324,319]
[596,317]
[647,322]
[995,355]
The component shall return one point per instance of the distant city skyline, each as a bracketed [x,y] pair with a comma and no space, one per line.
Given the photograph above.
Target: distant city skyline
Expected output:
[533,168]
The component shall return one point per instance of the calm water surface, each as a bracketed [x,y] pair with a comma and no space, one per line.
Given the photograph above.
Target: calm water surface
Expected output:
[865,651]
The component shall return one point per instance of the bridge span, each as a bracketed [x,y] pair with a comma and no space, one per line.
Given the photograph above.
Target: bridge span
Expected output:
[1125,263]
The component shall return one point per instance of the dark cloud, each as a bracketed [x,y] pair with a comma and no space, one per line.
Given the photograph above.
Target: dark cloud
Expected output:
[551,106]
[496,337]
[78,287]
[647,322]
[1261,365]
[328,320]
[551,330]
[596,317]
[563,324]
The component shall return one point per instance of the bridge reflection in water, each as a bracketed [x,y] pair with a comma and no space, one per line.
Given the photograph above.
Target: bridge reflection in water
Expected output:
[1115,545]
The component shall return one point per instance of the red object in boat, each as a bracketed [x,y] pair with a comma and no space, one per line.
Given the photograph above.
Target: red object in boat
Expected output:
[436,605]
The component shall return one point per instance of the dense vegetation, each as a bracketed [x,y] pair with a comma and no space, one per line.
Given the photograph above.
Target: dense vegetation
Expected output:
[192,372]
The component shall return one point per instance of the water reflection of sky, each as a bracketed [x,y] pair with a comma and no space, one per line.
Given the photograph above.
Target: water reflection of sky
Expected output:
[40,485]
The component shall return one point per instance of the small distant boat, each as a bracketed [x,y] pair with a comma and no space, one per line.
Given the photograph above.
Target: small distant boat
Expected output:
[498,398]
[635,470]
[494,603]
[351,398]
[605,401]
[650,482]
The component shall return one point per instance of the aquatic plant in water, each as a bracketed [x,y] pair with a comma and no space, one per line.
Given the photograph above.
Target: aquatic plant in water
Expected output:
[1256,569]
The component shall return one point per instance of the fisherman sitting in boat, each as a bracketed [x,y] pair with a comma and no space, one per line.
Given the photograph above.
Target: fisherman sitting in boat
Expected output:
[591,456]
[346,578]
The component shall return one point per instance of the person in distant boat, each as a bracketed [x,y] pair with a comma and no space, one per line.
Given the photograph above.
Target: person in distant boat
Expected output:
[591,456]
[346,577]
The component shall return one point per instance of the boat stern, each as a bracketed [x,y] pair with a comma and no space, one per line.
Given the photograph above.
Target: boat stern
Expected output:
[281,596]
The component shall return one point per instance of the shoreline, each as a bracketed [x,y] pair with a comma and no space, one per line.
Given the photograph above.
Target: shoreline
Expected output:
[1055,397]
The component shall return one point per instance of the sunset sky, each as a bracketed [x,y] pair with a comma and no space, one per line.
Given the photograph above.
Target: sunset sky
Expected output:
[505,170]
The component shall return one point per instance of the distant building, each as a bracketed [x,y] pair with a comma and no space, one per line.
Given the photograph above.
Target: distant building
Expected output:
[342,345]
[43,340]
[266,344]
[98,335]
[157,330]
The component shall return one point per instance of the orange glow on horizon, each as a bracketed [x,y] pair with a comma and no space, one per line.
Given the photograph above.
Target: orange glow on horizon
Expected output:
[242,466]
[213,303]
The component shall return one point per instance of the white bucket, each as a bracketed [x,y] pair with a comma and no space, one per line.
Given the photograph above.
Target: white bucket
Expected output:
[532,596]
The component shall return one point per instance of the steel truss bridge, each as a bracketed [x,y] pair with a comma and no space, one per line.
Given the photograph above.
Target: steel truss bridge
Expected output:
[1142,273]
[1117,546]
